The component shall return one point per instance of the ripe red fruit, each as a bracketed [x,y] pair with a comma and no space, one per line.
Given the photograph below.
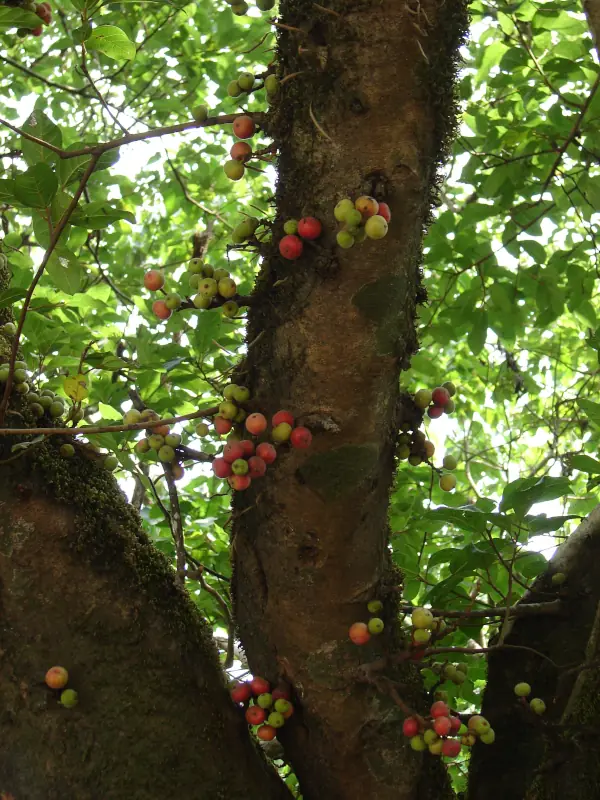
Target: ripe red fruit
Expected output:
[440,396]
[159,307]
[442,726]
[281,694]
[439,709]
[291,247]
[256,424]
[433,412]
[309,228]
[37,31]
[232,451]
[241,692]
[57,677]
[221,468]
[359,633]
[247,446]
[259,686]
[455,724]
[300,438]
[384,211]
[287,714]
[241,151]
[267,452]
[244,127]
[239,482]
[266,732]
[257,467]
[222,425]
[410,727]
[450,748]
[255,715]
[282,416]
[154,280]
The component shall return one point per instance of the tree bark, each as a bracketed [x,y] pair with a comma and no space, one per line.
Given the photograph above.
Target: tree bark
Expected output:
[542,758]
[369,111]
[82,587]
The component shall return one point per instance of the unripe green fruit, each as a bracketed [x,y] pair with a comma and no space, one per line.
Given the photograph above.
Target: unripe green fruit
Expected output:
[201,301]
[220,273]
[202,429]
[342,209]
[421,636]
[290,226]
[440,694]
[19,375]
[4,374]
[227,287]
[265,700]
[422,618]
[75,414]
[522,689]
[110,462]
[200,113]
[47,393]
[208,271]
[228,410]
[234,89]
[242,394]
[132,417]
[195,266]
[156,441]
[375,625]
[166,454]
[422,398]
[276,719]
[46,401]
[234,170]
[241,232]
[459,678]
[207,287]
[9,328]
[173,301]
[450,388]
[33,397]
[430,736]
[489,737]
[345,240]
[373,606]
[418,743]
[69,698]
[20,365]
[3,261]
[282,705]
[449,462]
[414,460]
[246,81]
[558,578]
[376,227]
[241,415]
[194,280]
[353,219]
[229,391]
[462,668]
[173,439]
[447,483]
[478,725]
[272,85]
[449,407]
[142,446]
[537,705]
[265,5]
[56,409]
[240,467]
[37,410]
[67,450]
[230,308]
[22,388]
[281,432]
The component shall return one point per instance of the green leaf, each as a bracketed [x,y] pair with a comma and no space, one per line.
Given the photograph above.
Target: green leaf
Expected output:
[585,464]
[98,215]
[521,494]
[66,273]
[478,333]
[40,126]
[111,41]
[11,17]
[36,187]
[591,409]
[10,296]
[7,192]
[544,524]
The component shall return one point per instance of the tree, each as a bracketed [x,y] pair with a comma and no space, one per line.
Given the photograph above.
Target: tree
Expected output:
[119,203]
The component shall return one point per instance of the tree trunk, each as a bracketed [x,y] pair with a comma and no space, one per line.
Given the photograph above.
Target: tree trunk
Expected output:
[370,111]
[542,758]
[82,587]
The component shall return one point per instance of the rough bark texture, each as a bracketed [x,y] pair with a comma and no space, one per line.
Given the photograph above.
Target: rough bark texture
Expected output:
[542,758]
[369,113]
[82,587]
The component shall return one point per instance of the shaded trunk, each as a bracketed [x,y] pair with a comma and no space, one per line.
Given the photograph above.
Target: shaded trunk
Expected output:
[370,112]
[82,587]
[542,758]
